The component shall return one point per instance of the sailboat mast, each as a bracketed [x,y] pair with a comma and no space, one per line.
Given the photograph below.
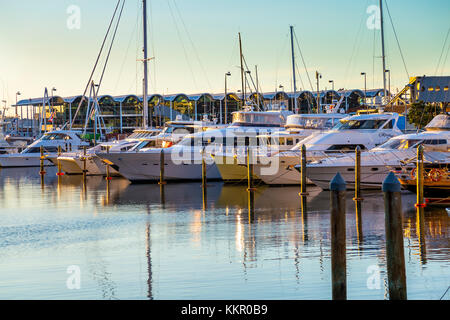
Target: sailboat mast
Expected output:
[145,89]
[242,71]
[293,70]
[383,56]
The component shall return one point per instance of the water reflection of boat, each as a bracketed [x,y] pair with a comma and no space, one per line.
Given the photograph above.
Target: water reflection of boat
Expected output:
[178,195]
[265,197]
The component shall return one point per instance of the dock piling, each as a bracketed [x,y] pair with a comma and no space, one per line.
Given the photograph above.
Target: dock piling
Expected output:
[249,170]
[338,238]
[303,183]
[59,173]
[161,168]
[419,178]
[394,238]
[358,198]
[42,158]
[84,164]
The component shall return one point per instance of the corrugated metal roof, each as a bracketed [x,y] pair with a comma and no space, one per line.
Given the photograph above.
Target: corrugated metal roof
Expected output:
[433,89]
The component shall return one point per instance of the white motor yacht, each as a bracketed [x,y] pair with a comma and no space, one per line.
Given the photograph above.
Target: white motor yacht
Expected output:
[50,141]
[232,163]
[376,163]
[183,161]
[366,131]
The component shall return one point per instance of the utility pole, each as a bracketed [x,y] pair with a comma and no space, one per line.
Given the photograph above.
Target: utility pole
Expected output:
[318,76]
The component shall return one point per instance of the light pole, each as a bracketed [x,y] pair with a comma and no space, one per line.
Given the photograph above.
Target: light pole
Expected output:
[282,89]
[318,76]
[17,115]
[51,111]
[225,98]
[332,84]
[365,87]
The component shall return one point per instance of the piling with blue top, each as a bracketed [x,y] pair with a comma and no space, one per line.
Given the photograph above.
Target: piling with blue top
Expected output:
[394,238]
[338,238]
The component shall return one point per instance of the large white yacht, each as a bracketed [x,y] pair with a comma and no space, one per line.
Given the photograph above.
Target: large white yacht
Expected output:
[376,163]
[366,131]
[172,133]
[73,162]
[183,161]
[50,141]
[232,162]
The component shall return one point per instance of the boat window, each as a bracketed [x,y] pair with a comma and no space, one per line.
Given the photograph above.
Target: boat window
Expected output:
[55,136]
[360,124]
[345,147]
[389,125]
[290,141]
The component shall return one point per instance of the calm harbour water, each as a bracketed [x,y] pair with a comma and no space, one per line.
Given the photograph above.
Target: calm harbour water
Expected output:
[130,242]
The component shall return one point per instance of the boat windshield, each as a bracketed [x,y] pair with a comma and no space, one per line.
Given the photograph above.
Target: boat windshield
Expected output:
[257,119]
[360,124]
[313,123]
[55,136]
[178,130]
[400,144]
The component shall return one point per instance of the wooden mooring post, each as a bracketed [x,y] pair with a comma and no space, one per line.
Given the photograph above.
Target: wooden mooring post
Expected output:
[338,238]
[108,173]
[161,167]
[303,183]
[394,238]
[358,198]
[59,173]
[420,204]
[84,164]
[41,166]
[419,178]
[250,170]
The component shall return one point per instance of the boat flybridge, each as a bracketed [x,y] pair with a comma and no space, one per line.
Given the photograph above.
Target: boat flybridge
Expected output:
[183,161]
[366,131]
[232,161]
[376,163]
[50,141]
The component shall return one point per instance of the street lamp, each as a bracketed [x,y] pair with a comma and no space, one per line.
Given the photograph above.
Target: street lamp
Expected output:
[318,76]
[365,86]
[228,74]
[282,88]
[17,115]
[332,84]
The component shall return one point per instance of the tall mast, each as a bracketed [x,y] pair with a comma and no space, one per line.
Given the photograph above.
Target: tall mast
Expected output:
[242,71]
[383,56]
[293,69]
[145,89]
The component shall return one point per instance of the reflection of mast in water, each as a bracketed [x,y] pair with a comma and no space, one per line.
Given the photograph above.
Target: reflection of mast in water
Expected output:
[149,260]
[97,267]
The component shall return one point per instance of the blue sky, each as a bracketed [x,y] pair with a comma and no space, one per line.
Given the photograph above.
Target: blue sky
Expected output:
[195,42]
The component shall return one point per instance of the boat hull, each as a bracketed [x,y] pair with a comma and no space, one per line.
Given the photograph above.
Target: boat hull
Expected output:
[143,166]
